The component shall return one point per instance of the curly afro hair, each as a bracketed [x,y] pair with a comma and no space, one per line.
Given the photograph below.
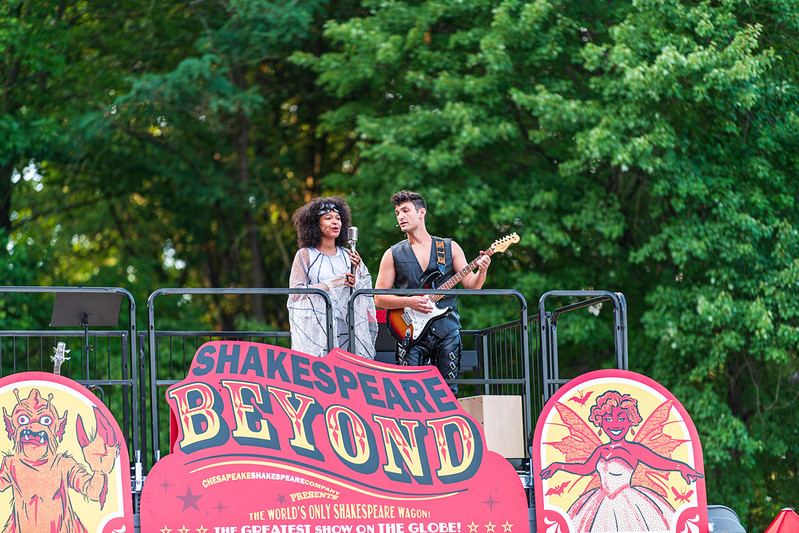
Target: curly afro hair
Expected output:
[306,221]
[611,399]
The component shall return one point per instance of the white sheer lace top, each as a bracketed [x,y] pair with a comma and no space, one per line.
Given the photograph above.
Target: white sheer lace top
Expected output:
[313,269]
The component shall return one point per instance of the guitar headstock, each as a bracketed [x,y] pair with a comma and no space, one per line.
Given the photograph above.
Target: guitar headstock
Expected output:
[500,245]
[59,357]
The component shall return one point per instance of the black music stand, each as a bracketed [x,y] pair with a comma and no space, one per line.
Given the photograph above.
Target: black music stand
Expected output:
[84,309]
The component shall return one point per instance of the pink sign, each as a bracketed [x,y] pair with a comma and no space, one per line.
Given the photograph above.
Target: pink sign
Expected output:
[615,451]
[274,441]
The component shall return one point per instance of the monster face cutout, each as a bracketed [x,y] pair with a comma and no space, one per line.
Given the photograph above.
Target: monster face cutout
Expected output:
[34,426]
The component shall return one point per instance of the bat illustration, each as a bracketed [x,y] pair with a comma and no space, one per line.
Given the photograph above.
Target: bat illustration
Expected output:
[680,497]
[558,490]
[581,398]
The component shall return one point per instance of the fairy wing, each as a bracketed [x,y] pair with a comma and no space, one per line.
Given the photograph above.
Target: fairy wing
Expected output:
[578,445]
[653,437]
[580,442]
[651,433]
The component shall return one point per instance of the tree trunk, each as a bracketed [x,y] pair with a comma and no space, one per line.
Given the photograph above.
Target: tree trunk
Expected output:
[251,229]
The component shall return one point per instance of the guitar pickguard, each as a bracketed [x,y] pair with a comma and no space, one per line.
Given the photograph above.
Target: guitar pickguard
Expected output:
[411,324]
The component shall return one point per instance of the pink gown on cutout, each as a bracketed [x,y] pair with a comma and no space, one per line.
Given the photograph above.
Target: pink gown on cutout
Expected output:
[619,506]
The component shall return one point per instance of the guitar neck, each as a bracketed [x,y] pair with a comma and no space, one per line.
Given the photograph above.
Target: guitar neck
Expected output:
[451,282]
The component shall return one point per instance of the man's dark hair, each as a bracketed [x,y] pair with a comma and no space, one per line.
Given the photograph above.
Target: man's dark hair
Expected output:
[409,196]
[306,221]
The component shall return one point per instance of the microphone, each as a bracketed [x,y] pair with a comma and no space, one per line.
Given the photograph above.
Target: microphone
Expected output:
[352,237]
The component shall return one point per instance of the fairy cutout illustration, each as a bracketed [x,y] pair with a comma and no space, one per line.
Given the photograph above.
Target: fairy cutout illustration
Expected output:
[628,482]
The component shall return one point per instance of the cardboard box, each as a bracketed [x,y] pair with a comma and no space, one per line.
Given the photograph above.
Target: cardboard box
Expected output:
[501,419]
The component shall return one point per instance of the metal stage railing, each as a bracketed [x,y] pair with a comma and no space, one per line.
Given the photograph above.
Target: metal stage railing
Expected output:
[520,357]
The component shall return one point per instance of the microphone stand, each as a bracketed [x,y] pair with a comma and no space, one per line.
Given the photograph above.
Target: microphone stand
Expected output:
[352,238]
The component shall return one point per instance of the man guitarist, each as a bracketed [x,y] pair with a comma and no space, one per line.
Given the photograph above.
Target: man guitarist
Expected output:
[405,266]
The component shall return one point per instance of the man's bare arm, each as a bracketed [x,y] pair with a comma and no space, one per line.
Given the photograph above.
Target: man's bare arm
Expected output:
[470,280]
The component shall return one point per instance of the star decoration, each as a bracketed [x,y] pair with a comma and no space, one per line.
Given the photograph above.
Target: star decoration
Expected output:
[201,529]
[219,507]
[507,527]
[166,530]
[473,527]
[184,529]
[190,500]
[281,498]
[166,484]
[490,527]
[490,502]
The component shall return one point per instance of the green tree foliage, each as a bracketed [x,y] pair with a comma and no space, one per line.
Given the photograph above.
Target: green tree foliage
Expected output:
[32,45]
[181,142]
[63,62]
[231,145]
[644,147]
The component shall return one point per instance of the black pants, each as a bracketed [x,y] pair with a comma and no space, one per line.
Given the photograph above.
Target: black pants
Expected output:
[444,353]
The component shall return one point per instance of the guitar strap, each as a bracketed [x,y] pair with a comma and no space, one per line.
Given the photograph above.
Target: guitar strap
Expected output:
[440,254]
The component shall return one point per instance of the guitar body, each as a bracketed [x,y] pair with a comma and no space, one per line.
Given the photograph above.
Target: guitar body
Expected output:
[412,324]
[402,322]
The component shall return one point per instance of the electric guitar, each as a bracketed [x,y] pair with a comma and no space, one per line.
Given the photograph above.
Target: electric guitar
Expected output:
[409,326]
[58,357]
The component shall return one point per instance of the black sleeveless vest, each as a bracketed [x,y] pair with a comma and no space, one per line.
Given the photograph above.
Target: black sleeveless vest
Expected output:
[408,275]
